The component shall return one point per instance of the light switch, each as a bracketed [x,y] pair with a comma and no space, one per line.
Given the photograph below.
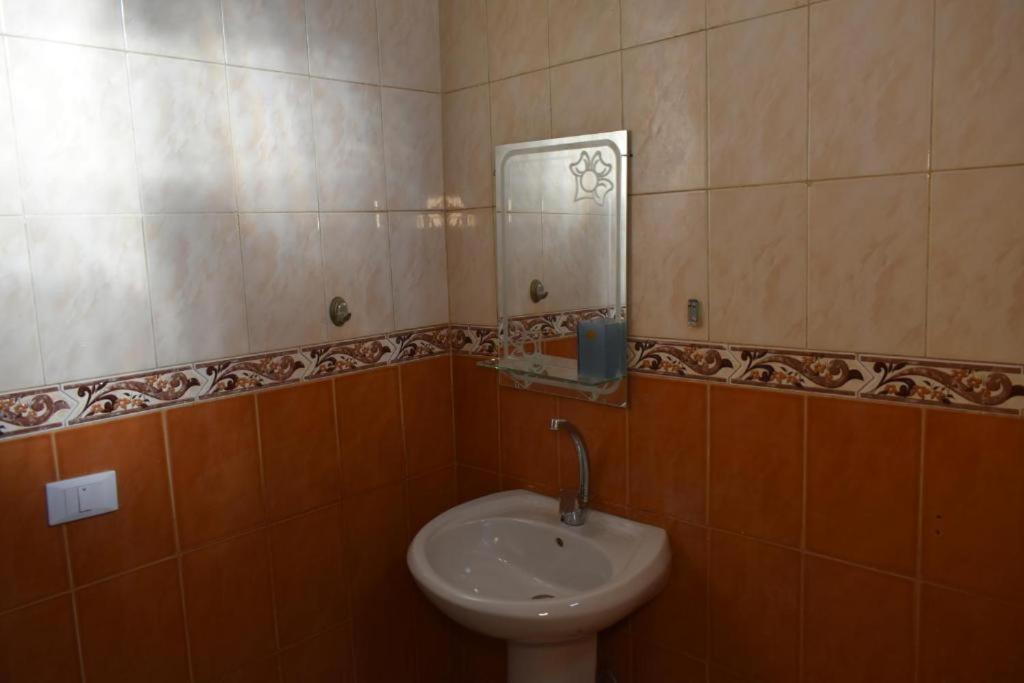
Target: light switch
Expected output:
[81,497]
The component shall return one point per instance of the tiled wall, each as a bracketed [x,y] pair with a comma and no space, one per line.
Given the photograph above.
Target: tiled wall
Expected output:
[842,176]
[256,533]
[190,180]
[813,538]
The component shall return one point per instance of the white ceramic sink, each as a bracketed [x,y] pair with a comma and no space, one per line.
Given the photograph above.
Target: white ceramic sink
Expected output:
[504,565]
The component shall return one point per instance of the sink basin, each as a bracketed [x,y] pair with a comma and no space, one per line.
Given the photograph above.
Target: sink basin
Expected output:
[504,565]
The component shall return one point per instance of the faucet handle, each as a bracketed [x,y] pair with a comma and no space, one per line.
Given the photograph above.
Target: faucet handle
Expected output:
[570,510]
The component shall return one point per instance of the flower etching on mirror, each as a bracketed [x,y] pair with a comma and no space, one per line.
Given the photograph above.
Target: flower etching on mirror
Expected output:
[591,173]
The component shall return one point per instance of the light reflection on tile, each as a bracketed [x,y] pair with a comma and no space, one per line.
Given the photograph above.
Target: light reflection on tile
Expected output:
[89,22]
[419,275]
[266,34]
[412,149]
[183,28]
[20,362]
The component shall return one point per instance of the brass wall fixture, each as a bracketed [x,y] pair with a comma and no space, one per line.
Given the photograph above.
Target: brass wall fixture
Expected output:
[339,312]
[537,291]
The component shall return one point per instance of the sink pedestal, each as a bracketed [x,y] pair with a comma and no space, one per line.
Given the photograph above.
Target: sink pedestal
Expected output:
[571,662]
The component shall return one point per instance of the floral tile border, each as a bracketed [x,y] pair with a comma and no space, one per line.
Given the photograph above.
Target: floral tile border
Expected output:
[971,386]
[547,325]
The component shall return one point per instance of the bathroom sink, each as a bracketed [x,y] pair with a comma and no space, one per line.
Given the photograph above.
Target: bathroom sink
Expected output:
[504,565]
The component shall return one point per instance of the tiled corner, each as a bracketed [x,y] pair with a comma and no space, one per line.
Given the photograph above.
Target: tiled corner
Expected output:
[266,34]
[413,150]
[410,55]
[343,40]
[419,276]
[586,96]
[463,43]
[468,170]
[356,247]
[192,29]
[470,245]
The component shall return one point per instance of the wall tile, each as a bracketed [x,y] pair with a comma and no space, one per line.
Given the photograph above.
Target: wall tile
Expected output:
[186,28]
[976,265]
[418,269]
[644,21]
[10,190]
[664,93]
[729,11]
[528,446]
[475,393]
[978,69]
[524,256]
[654,664]
[132,626]
[39,643]
[973,474]
[858,625]
[469,240]
[349,146]
[755,616]
[669,260]
[606,432]
[586,96]
[141,530]
[582,28]
[758,100]
[34,564]
[21,364]
[215,468]
[867,265]
[369,415]
[182,135]
[521,109]
[413,150]
[299,447]
[862,482]
[273,140]
[410,51]
[343,39]
[468,166]
[74,128]
[429,495]
[757,266]
[283,280]
[427,414]
[474,483]
[328,657]
[266,34]
[966,638]
[463,43]
[756,462]
[667,470]
[870,79]
[263,670]
[517,36]
[310,586]
[91,22]
[195,276]
[356,251]
[228,604]
[661,622]
[91,294]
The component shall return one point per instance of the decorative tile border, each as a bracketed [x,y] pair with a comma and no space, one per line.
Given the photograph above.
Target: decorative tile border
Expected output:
[548,325]
[984,388]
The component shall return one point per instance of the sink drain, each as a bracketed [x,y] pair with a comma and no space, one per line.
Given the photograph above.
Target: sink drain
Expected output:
[542,596]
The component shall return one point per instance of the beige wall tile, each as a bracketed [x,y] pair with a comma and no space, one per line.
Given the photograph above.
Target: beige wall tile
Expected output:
[471,267]
[758,100]
[186,28]
[979,83]
[20,363]
[89,22]
[664,90]
[586,96]
[976,265]
[10,192]
[349,146]
[668,264]
[870,78]
[517,36]
[419,274]
[522,261]
[467,148]
[266,34]
[521,109]
[91,295]
[412,149]
[195,281]
[728,11]
[463,43]
[410,47]
[758,265]
[644,21]
[357,267]
[343,39]
[284,286]
[867,265]
[582,28]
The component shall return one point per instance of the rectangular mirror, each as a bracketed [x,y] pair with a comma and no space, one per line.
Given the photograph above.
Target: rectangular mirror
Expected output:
[561,254]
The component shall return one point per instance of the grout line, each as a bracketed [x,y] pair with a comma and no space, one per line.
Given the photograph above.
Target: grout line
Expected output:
[69,569]
[919,559]
[931,162]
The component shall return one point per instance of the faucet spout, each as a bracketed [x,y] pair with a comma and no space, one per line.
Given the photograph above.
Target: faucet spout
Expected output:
[573,504]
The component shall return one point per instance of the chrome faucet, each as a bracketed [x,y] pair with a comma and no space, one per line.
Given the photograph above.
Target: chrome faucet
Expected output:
[572,505]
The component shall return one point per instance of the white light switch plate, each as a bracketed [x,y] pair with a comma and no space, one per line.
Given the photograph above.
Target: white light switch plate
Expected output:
[81,497]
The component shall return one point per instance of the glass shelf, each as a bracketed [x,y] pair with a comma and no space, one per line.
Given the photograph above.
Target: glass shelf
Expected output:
[545,369]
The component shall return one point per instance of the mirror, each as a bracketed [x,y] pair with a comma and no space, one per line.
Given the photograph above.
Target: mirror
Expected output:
[561,253]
